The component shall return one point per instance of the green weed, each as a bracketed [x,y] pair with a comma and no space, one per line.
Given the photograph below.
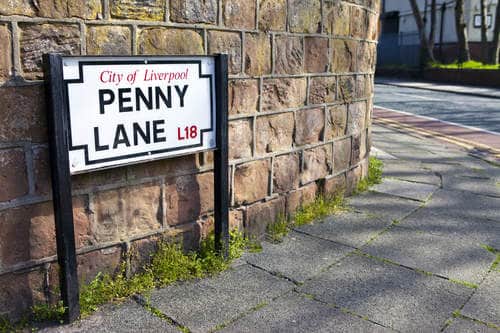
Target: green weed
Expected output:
[279,229]
[320,208]
[374,177]
[48,312]
[466,65]
[465,283]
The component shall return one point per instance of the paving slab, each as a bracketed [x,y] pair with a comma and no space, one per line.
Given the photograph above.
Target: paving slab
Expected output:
[410,172]
[405,189]
[465,260]
[129,317]
[391,295]
[455,227]
[460,325]
[381,154]
[382,205]
[465,205]
[299,257]
[295,313]
[350,228]
[203,304]
[485,303]
[474,184]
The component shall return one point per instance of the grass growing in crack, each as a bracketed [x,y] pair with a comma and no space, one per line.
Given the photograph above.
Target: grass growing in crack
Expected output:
[320,208]
[495,266]
[465,283]
[278,230]
[374,177]
[48,312]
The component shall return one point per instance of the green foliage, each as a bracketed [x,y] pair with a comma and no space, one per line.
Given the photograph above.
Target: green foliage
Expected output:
[320,208]
[374,177]
[48,312]
[465,65]
[279,229]
[465,283]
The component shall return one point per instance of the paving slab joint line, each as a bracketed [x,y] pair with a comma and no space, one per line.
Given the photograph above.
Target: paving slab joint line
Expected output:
[407,198]
[488,324]
[276,274]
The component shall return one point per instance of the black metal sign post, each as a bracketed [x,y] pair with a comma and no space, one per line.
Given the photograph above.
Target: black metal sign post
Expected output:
[61,185]
[58,125]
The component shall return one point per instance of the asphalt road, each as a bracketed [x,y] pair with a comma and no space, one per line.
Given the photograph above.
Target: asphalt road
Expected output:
[480,112]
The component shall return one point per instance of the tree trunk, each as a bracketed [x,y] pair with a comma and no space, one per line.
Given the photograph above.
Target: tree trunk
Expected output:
[432,33]
[463,43]
[425,50]
[484,31]
[495,49]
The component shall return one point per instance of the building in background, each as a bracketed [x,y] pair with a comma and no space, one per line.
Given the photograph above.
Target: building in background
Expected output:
[399,42]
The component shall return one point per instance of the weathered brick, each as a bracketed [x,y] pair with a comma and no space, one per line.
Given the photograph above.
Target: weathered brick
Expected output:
[304,15]
[372,32]
[362,84]
[260,215]
[235,223]
[38,39]
[126,212]
[286,173]
[358,147]
[243,96]
[240,139]
[89,9]
[342,154]
[352,180]
[13,175]
[284,93]
[316,54]
[41,170]
[317,163]
[226,42]
[19,292]
[366,57]
[146,10]
[188,235]
[359,22]
[272,15]
[257,54]
[6,54]
[17,7]
[140,253]
[309,126]
[109,40]
[357,117]
[173,41]
[288,54]
[336,122]
[337,18]
[246,189]
[193,11]
[274,133]
[334,185]
[344,56]
[322,89]
[308,193]
[92,181]
[188,197]
[105,261]
[239,13]
[167,167]
[301,197]
[346,88]
[28,232]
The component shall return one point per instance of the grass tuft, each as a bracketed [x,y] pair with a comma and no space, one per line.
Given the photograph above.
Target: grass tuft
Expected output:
[466,65]
[320,208]
[278,230]
[48,312]
[374,177]
[465,283]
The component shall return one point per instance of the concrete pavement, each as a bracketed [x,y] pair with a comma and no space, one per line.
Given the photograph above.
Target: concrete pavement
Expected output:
[410,255]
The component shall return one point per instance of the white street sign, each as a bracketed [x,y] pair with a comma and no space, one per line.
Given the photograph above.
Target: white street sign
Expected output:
[124,110]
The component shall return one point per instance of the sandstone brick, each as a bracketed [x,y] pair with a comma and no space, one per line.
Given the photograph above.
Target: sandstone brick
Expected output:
[240,139]
[358,148]
[309,126]
[28,232]
[364,167]
[317,163]
[181,165]
[17,7]
[362,86]
[304,16]
[336,122]
[37,39]
[41,170]
[316,54]
[172,41]
[344,56]
[109,40]
[236,222]
[13,175]
[243,96]
[286,173]
[239,13]
[357,117]
[346,88]
[272,15]
[284,93]
[193,11]
[337,18]
[260,215]
[92,181]
[352,180]
[246,188]
[342,154]
[274,133]
[289,55]
[140,253]
[6,54]
[257,54]
[308,194]
[359,22]
[188,197]
[101,261]
[126,212]
[188,235]
[334,185]
[292,202]
[322,89]
[366,57]
[226,42]
[89,9]
[372,32]
[23,114]
[146,10]
[19,292]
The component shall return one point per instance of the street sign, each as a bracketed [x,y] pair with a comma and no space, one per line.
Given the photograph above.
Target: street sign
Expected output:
[129,110]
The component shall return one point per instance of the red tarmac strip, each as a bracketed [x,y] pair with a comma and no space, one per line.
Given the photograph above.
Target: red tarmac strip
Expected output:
[467,135]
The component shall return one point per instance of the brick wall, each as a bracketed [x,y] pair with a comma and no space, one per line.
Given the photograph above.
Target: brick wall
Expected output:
[301,75]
